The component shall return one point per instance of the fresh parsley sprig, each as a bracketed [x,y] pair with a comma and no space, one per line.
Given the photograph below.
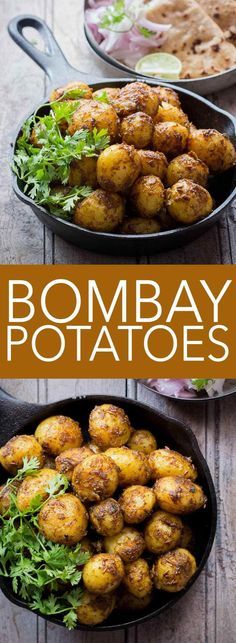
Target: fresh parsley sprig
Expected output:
[38,568]
[200,384]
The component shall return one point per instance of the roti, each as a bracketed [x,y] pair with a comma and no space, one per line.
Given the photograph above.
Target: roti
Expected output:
[194,37]
[224,14]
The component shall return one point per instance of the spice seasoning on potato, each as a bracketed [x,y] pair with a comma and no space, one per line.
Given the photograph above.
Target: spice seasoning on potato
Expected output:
[171,113]
[118,167]
[101,211]
[63,520]
[153,162]
[106,517]
[136,97]
[147,196]
[137,129]
[188,202]
[133,467]
[95,478]
[94,608]
[103,573]
[166,462]
[17,448]
[172,571]
[137,503]
[170,138]
[94,114]
[109,426]
[162,532]
[213,148]
[35,485]
[58,433]
[129,544]
[179,495]
[142,440]
[187,166]
[67,460]
[137,578]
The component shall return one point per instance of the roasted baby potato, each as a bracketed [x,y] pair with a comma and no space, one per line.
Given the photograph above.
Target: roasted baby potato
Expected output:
[84,172]
[101,211]
[170,138]
[167,95]
[162,532]
[142,440]
[118,167]
[187,166]
[93,113]
[132,466]
[171,113]
[109,93]
[34,485]
[137,129]
[147,196]
[95,478]
[109,426]
[5,496]
[58,433]
[106,517]
[128,544]
[172,571]
[94,608]
[103,573]
[179,495]
[127,602]
[154,163]
[213,148]
[137,503]
[187,540]
[71,91]
[138,225]
[137,578]
[188,202]
[63,520]
[17,448]
[165,462]
[136,97]
[67,460]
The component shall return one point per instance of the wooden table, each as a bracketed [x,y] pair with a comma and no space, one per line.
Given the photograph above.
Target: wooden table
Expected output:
[207,614]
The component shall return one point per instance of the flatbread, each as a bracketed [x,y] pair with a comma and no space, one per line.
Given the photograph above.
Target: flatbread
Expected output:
[224,14]
[194,37]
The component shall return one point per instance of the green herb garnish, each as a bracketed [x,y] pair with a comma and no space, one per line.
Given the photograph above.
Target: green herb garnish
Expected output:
[147,33]
[37,567]
[102,97]
[200,384]
[113,15]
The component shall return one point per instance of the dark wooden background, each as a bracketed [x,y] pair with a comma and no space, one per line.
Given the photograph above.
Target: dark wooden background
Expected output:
[207,614]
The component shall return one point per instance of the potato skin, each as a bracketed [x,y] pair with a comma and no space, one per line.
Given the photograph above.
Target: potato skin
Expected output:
[137,578]
[94,608]
[109,426]
[111,92]
[95,478]
[137,503]
[142,440]
[138,225]
[34,485]
[171,113]
[94,114]
[188,202]
[101,211]
[84,172]
[162,532]
[118,167]
[63,520]
[167,95]
[137,97]
[172,571]
[58,433]
[137,129]
[170,138]
[106,517]
[67,460]
[5,496]
[179,495]
[187,540]
[127,602]
[103,573]
[166,462]
[58,93]
[154,163]
[128,544]
[17,448]
[147,196]
[213,148]
[132,466]
[187,166]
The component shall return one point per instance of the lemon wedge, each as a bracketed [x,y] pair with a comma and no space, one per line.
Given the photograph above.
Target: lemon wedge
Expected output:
[160,65]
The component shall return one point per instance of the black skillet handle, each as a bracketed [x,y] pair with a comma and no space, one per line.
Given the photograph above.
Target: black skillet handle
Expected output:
[52,61]
[13,414]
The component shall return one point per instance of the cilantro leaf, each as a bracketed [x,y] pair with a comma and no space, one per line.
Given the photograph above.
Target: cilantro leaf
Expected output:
[199,384]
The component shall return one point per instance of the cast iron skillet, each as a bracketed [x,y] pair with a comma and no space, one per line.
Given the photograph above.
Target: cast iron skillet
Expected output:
[200,111]
[19,417]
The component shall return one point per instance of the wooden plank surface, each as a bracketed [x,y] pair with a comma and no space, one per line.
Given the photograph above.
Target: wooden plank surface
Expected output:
[207,614]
